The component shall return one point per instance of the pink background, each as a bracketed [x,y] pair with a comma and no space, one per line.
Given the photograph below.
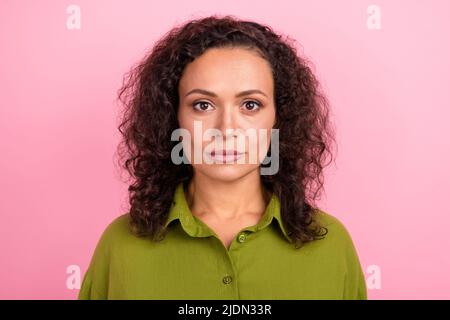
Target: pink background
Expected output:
[389,90]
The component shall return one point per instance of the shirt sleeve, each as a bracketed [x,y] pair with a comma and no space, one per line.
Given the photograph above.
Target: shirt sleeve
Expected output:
[86,287]
[95,284]
[90,289]
[355,282]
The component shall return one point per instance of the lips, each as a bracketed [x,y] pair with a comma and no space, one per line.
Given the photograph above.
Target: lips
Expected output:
[225,153]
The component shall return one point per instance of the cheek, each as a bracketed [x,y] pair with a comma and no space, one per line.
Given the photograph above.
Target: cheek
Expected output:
[265,123]
[271,117]
[185,121]
[183,118]
[264,126]
[194,143]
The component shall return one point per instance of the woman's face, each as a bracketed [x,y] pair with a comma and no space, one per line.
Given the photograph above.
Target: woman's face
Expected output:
[227,89]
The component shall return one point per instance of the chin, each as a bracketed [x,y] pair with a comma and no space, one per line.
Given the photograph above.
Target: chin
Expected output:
[226,172]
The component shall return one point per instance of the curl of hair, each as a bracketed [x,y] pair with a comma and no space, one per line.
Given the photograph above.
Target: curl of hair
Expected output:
[149,94]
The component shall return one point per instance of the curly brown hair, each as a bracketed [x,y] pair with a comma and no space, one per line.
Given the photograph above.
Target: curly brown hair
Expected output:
[150,98]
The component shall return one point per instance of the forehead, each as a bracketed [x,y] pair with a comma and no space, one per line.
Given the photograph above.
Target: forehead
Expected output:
[232,69]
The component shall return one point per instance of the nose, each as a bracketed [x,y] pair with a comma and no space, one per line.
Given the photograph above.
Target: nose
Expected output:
[227,120]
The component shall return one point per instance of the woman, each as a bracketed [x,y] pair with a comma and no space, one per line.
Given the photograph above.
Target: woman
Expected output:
[217,225]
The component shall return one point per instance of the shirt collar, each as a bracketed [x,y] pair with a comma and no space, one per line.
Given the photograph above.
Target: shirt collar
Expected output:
[196,228]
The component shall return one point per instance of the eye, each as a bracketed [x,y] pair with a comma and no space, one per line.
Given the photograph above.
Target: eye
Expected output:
[252,105]
[201,105]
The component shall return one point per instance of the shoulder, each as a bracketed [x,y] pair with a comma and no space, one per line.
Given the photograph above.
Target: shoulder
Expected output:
[335,227]
[341,247]
[116,232]
[118,227]
[337,238]
[95,280]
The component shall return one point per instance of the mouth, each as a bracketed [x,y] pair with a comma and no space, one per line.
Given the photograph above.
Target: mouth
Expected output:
[225,155]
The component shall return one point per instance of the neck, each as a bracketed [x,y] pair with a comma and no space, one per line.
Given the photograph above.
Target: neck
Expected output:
[227,200]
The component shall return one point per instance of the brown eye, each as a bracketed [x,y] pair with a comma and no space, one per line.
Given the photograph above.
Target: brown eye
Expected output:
[201,105]
[252,105]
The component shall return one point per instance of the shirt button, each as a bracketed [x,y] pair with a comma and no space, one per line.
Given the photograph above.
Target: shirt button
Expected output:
[241,237]
[227,279]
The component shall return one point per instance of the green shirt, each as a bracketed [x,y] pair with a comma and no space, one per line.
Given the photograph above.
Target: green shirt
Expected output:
[193,263]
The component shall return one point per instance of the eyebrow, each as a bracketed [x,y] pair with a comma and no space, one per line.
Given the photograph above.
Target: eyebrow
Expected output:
[212,94]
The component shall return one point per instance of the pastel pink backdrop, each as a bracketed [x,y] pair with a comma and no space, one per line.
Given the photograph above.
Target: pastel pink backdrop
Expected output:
[389,90]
